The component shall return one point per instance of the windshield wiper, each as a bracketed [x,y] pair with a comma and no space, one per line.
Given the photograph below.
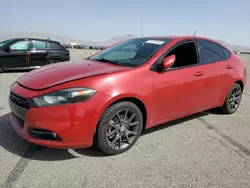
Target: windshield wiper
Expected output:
[108,61]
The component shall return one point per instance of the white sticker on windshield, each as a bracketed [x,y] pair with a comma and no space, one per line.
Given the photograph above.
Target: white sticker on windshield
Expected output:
[159,42]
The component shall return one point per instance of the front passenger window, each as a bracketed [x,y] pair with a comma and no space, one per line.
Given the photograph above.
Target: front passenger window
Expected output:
[21,45]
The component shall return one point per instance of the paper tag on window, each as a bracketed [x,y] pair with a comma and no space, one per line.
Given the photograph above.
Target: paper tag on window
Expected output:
[159,42]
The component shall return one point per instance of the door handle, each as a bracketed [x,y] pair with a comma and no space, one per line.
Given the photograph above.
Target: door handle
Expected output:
[229,67]
[199,73]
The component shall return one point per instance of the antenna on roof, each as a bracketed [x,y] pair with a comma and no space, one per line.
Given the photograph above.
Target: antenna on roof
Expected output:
[194,32]
[141,27]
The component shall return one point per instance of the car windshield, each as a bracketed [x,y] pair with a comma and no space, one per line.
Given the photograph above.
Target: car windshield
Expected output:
[4,42]
[132,52]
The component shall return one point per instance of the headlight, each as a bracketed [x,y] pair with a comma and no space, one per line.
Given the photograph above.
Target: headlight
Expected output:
[65,96]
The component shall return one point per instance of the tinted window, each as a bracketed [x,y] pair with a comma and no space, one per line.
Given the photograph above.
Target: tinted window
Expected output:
[210,52]
[185,55]
[227,54]
[38,44]
[20,45]
[42,45]
[53,45]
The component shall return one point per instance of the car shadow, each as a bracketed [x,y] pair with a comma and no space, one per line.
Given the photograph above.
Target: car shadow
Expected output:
[173,123]
[94,152]
[13,143]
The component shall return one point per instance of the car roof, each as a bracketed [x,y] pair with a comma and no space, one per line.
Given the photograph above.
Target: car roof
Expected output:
[179,38]
[27,38]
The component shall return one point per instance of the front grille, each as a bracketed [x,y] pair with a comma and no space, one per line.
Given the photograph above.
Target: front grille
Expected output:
[20,121]
[20,101]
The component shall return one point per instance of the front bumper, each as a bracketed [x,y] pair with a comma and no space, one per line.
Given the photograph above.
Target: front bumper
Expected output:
[73,124]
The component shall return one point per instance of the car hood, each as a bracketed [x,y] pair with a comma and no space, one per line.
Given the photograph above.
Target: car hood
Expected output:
[58,73]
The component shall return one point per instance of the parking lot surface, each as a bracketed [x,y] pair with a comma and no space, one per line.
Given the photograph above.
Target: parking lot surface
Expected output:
[204,150]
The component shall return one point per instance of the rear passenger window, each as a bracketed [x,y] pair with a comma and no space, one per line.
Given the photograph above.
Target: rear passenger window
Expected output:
[227,54]
[41,45]
[53,45]
[210,52]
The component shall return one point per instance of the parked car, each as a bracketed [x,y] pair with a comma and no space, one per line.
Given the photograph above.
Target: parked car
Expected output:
[111,97]
[67,46]
[237,52]
[30,53]
[79,47]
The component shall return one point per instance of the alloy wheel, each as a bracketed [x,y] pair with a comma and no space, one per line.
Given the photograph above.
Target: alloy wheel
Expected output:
[234,98]
[122,129]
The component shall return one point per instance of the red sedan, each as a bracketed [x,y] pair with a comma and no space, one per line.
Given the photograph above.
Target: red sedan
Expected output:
[112,96]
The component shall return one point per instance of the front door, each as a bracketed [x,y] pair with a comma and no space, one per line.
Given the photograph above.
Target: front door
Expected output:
[180,91]
[16,55]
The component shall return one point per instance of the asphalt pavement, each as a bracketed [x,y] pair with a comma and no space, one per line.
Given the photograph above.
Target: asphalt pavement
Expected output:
[208,149]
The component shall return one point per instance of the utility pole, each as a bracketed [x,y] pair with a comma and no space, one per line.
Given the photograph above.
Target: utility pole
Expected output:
[141,27]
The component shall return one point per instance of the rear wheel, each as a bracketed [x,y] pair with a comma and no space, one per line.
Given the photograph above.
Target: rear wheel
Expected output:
[233,99]
[119,128]
[52,61]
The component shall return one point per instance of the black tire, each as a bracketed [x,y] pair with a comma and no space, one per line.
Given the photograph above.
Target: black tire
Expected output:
[52,61]
[109,123]
[233,99]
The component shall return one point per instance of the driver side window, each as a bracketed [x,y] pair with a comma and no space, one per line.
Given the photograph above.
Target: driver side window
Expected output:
[185,55]
[20,45]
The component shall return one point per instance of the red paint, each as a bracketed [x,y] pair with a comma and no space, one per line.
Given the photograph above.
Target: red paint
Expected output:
[27,57]
[57,73]
[166,96]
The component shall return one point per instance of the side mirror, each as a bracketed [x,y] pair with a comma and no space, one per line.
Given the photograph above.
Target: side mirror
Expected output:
[167,62]
[7,49]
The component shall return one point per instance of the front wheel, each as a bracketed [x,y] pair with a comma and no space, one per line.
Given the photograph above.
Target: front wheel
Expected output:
[233,99]
[119,128]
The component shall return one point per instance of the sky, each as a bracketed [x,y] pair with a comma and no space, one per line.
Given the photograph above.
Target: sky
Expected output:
[99,20]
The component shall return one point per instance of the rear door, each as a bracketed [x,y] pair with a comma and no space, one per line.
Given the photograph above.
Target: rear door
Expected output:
[215,59]
[17,55]
[39,53]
